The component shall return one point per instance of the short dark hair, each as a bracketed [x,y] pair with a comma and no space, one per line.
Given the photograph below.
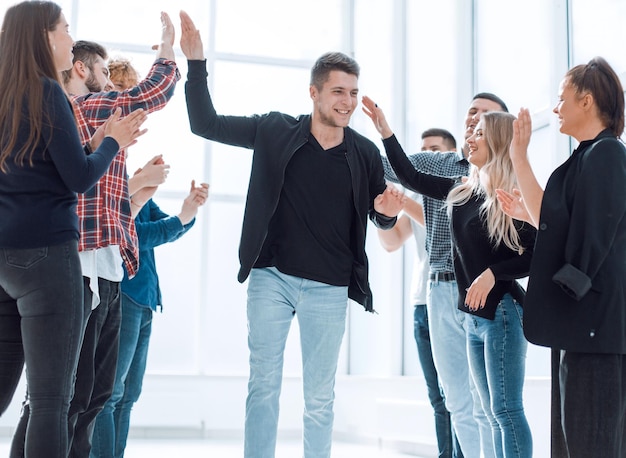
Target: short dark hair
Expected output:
[493,98]
[87,52]
[448,138]
[329,62]
[599,79]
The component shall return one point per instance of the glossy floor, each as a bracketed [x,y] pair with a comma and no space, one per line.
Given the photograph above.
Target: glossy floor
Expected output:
[192,448]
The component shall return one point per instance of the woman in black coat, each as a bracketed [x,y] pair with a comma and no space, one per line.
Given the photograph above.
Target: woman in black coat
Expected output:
[576,299]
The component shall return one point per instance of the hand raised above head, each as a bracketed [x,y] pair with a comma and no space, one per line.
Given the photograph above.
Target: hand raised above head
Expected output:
[168,34]
[190,41]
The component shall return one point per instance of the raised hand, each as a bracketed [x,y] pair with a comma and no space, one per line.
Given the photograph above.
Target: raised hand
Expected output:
[513,205]
[154,172]
[522,129]
[125,131]
[377,116]
[190,41]
[198,195]
[390,202]
[168,34]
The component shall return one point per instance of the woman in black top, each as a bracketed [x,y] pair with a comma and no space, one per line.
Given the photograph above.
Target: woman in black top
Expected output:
[42,166]
[491,250]
[576,302]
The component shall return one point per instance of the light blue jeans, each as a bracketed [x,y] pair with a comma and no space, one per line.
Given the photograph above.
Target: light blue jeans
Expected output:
[497,357]
[112,424]
[448,342]
[273,300]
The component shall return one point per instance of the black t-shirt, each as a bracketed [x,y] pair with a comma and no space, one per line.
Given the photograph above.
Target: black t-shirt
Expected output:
[309,234]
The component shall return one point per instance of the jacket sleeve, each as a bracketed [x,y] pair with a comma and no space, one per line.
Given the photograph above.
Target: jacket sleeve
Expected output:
[517,266]
[598,206]
[152,94]
[155,227]
[203,119]
[429,185]
[78,171]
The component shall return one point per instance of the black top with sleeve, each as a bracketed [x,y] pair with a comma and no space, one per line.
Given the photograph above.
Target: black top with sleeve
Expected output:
[302,240]
[576,297]
[275,137]
[473,251]
[38,202]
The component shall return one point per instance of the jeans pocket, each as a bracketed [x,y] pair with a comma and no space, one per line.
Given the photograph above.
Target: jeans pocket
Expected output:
[25,258]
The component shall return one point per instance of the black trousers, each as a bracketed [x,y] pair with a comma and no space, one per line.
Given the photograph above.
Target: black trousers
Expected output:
[95,374]
[41,324]
[588,405]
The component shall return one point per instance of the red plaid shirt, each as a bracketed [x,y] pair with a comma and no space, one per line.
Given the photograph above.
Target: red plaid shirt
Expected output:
[104,211]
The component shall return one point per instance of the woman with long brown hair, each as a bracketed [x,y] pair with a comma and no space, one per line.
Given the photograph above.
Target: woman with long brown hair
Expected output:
[42,167]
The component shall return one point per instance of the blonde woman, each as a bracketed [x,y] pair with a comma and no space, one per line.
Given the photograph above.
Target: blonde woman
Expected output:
[491,250]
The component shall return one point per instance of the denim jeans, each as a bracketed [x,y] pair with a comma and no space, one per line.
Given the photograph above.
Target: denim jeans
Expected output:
[590,389]
[97,363]
[41,292]
[447,444]
[273,300]
[448,343]
[112,424]
[497,357]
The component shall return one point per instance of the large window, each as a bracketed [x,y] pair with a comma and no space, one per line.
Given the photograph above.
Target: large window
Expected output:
[421,61]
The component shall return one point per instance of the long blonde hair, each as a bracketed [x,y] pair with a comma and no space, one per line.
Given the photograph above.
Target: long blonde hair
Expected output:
[497,173]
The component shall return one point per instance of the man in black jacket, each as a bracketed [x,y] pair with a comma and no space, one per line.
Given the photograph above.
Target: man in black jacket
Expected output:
[314,182]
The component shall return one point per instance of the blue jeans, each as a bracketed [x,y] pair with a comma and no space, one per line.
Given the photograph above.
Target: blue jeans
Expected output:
[273,300]
[497,356]
[448,342]
[112,424]
[446,438]
[41,309]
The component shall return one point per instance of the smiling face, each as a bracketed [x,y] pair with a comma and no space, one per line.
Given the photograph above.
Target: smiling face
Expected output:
[61,44]
[478,148]
[474,112]
[335,102]
[569,110]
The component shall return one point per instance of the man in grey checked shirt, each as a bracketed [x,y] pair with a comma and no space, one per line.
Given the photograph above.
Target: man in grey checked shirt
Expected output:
[446,322]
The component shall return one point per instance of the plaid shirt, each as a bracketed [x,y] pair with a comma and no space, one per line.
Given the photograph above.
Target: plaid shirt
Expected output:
[104,211]
[438,238]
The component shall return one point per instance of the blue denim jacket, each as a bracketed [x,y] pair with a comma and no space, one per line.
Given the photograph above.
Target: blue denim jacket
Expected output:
[154,228]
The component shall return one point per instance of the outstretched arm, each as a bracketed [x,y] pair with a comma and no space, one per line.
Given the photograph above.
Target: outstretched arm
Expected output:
[531,191]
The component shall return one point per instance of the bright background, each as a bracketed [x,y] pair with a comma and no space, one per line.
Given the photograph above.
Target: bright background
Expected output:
[420,60]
